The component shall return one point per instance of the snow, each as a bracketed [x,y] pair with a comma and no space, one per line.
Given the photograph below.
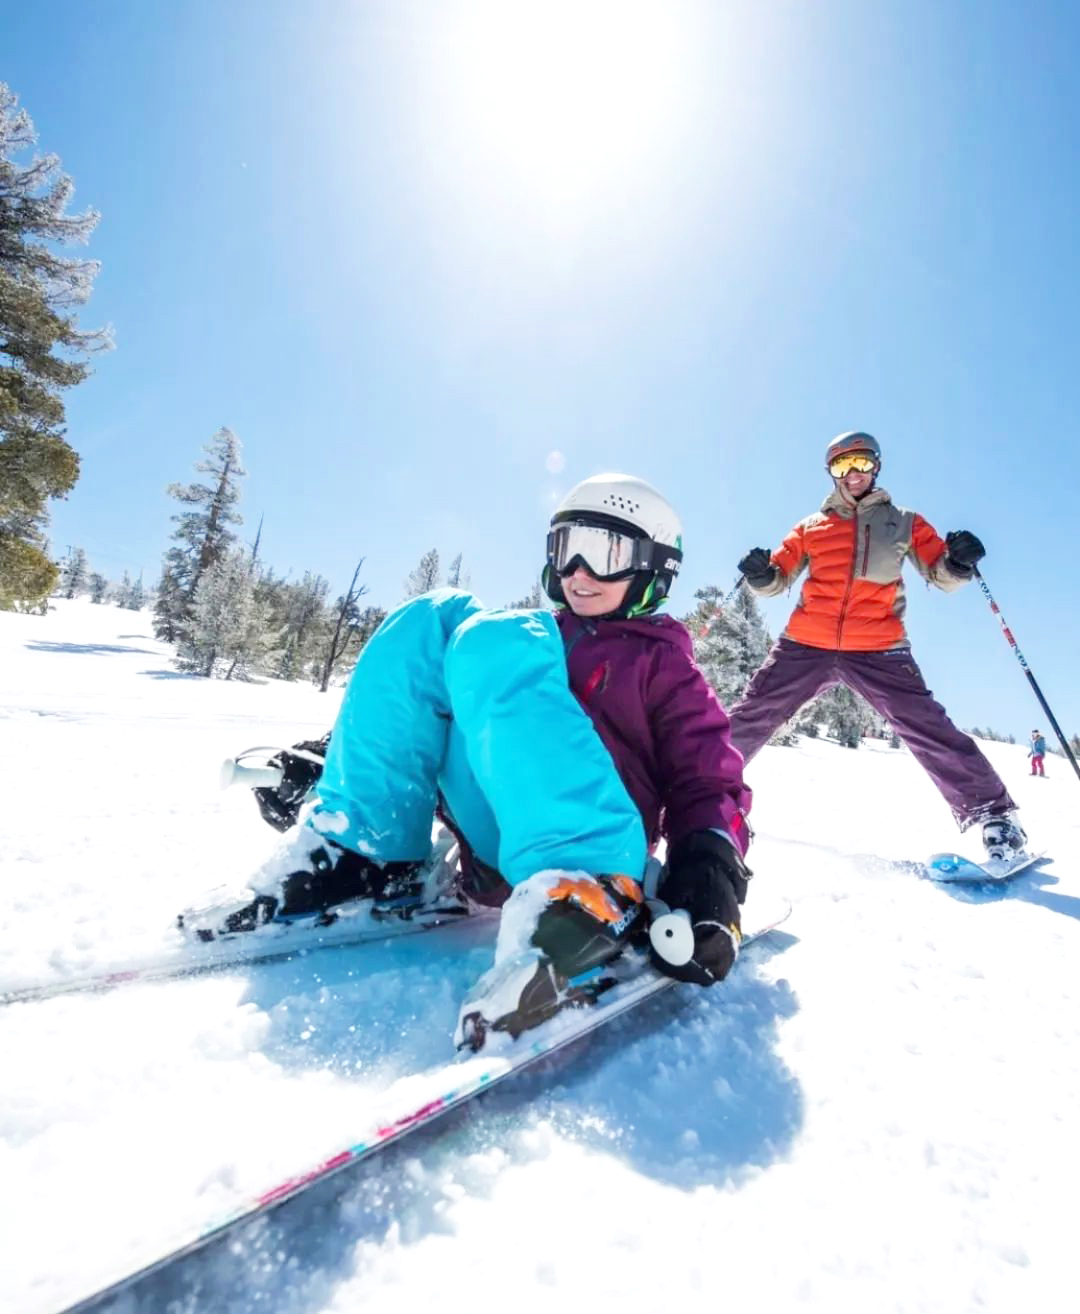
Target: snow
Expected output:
[872,1114]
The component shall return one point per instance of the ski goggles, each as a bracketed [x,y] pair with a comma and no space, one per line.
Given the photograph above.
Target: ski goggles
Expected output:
[606,552]
[862,462]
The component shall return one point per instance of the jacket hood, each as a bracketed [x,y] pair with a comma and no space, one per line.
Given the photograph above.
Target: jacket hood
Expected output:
[837,503]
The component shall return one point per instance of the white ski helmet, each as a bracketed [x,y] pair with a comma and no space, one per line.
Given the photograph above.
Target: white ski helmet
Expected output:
[631,509]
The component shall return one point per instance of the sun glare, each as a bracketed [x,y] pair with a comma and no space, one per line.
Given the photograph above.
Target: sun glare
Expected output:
[571,98]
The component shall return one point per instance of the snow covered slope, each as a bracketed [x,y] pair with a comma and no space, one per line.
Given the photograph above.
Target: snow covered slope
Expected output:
[874,1115]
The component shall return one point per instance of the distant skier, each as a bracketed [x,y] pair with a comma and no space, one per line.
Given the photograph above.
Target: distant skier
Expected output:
[1038,752]
[559,747]
[848,629]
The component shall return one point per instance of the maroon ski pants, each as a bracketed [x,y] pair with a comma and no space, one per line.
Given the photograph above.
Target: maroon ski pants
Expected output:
[892,684]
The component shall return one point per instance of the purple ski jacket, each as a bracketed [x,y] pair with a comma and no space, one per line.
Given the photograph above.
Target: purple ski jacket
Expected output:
[661,723]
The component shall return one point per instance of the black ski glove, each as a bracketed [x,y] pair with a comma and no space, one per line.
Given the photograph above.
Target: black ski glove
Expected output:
[758,568]
[280,804]
[707,877]
[963,552]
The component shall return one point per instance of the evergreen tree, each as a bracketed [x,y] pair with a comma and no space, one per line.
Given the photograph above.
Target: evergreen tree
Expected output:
[224,628]
[75,575]
[42,351]
[301,622]
[365,622]
[99,587]
[171,606]
[122,592]
[136,596]
[203,534]
[846,714]
[729,644]
[456,578]
[532,600]
[426,575]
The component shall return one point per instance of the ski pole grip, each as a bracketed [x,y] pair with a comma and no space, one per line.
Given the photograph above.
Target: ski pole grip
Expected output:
[254,777]
[671,934]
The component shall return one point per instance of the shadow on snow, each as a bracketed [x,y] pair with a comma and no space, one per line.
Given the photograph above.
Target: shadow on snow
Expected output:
[173,675]
[687,1090]
[82,649]
[1029,886]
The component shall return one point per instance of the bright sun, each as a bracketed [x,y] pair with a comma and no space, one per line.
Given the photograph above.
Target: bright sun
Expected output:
[570,97]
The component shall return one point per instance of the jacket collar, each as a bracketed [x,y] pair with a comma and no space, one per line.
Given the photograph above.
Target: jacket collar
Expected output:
[838,504]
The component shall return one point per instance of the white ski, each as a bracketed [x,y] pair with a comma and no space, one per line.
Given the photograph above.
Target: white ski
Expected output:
[358,924]
[415,1102]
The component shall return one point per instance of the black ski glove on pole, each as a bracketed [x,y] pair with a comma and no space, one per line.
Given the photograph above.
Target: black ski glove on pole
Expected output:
[706,876]
[758,568]
[280,804]
[963,552]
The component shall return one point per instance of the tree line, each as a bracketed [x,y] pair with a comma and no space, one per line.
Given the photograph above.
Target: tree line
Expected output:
[230,615]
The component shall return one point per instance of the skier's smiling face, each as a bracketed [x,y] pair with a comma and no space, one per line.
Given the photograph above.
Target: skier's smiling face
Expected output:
[589,596]
[856,482]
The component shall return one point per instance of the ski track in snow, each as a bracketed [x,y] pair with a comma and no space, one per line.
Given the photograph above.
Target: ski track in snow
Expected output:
[873,1114]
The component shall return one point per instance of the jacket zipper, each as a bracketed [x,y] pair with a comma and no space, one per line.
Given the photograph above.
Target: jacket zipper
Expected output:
[851,577]
[866,549]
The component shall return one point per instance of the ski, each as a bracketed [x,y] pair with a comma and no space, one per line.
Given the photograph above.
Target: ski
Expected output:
[276,942]
[416,1102]
[954,869]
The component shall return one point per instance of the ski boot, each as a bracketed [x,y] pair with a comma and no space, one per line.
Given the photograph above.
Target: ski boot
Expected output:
[312,878]
[559,937]
[1003,839]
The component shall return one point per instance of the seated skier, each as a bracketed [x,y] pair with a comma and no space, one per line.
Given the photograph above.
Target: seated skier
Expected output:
[560,748]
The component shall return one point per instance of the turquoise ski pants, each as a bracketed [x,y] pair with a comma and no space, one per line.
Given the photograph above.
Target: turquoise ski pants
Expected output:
[449,697]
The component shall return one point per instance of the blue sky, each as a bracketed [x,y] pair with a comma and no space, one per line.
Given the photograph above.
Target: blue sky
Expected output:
[434,263]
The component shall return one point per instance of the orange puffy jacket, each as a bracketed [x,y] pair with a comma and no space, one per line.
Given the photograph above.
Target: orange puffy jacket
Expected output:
[853,597]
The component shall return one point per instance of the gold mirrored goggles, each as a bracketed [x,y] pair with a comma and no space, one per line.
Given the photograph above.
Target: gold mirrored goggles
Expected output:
[858,461]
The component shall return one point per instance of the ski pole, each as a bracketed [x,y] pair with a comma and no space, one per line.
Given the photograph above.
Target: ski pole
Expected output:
[1027,671]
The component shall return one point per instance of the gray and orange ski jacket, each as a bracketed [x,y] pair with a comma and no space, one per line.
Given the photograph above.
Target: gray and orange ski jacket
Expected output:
[853,598]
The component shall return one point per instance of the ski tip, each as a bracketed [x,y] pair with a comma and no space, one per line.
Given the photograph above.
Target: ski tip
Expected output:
[955,869]
[948,867]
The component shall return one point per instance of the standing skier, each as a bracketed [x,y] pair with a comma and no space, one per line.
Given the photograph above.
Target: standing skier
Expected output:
[560,748]
[848,628]
[1037,753]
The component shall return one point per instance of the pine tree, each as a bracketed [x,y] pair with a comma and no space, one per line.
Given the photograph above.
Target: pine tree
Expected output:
[122,592]
[171,607]
[136,597]
[846,715]
[42,351]
[300,618]
[367,621]
[203,535]
[223,628]
[75,575]
[456,577]
[99,587]
[532,601]
[426,575]
[729,644]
